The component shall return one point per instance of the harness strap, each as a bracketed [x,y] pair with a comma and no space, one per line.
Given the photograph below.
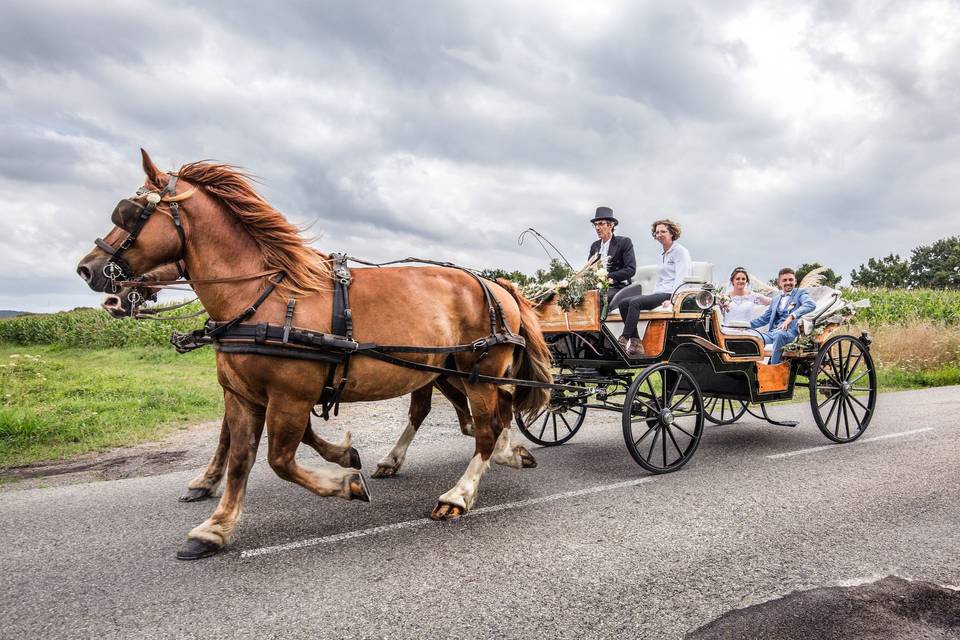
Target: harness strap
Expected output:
[288,319]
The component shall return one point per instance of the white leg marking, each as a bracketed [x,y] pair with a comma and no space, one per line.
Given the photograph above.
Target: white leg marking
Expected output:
[395,458]
[464,492]
[504,454]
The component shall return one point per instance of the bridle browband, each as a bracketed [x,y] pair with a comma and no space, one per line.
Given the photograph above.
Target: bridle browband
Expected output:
[117,269]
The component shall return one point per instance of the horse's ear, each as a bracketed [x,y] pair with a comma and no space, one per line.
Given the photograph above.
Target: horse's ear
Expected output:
[149,169]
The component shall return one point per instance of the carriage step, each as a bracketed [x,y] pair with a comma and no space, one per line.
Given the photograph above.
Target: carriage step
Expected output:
[785,423]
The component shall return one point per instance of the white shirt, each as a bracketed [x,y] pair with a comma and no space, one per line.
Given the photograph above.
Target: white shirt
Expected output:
[605,248]
[674,266]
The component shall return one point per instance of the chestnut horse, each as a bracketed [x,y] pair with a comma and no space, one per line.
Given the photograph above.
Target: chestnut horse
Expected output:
[125,302]
[230,240]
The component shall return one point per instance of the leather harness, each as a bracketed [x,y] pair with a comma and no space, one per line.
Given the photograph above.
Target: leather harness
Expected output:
[337,347]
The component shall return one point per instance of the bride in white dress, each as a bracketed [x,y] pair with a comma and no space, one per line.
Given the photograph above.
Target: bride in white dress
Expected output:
[743,302]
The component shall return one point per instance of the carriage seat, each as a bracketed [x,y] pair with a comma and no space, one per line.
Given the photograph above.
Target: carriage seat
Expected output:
[825,306]
[645,280]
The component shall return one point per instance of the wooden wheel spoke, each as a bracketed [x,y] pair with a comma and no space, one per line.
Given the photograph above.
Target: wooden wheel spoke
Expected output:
[673,392]
[637,442]
[674,441]
[854,414]
[680,401]
[566,424]
[687,433]
[859,377]
[543,428]
[855,399]
[653,394]
[832,408]
[654,443]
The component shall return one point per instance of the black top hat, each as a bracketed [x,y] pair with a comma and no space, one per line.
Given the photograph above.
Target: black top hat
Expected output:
[604,213]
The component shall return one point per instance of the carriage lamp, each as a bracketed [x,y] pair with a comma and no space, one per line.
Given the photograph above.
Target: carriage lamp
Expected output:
[705,298]
[866,338]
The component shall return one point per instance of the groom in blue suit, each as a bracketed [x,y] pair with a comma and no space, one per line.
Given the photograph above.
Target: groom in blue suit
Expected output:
[780,318]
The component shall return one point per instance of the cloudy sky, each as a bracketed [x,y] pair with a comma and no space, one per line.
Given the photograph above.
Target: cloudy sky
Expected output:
[774,132]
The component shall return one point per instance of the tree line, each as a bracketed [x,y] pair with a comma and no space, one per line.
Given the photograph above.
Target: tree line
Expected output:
[933,266]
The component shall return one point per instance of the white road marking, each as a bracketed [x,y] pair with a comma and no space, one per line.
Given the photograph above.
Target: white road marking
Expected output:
[825,447]
[409,524]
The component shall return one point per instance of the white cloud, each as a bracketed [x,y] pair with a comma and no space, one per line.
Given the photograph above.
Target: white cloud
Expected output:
[777,133]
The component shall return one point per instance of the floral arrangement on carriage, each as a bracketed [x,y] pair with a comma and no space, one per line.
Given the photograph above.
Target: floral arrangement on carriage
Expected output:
[571,300]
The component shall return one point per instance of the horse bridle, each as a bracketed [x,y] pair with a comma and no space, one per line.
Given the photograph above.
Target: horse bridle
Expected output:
[116,267]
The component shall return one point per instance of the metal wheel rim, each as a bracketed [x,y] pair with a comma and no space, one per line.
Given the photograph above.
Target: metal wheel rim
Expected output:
[843,369]
[657,444]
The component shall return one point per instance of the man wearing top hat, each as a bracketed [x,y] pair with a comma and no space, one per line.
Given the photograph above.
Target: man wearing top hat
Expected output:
[617,251]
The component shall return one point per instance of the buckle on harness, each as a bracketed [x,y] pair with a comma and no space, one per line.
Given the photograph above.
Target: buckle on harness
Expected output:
[481,343]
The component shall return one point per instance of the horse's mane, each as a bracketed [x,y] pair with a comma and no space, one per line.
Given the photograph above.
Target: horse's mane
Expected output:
[283,247]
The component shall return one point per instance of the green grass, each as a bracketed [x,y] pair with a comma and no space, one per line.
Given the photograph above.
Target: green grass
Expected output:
[897,379]
[57,402]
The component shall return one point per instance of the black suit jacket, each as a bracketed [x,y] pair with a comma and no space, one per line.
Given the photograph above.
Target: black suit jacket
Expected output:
[622,264]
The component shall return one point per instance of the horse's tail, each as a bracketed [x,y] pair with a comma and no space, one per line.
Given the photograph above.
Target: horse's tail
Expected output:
[533,361]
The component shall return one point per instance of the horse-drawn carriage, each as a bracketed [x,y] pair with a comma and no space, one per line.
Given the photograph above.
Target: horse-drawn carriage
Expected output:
[695,370]
[291,331]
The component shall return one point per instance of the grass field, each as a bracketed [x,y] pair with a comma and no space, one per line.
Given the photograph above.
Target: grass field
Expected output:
[57,402]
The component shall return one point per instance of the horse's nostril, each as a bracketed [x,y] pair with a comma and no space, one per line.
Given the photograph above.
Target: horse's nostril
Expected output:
[112,301]
[84,273]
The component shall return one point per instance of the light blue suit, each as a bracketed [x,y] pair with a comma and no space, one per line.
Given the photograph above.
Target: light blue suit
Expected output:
[798,304]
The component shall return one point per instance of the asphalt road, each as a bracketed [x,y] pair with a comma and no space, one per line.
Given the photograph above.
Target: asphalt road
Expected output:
[613,552]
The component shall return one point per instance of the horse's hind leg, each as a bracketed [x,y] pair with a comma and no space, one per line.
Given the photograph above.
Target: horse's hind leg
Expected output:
[503,453]
[245,422]
[206,483]
[458,399]
[390,464]
[285,427]
[460,499]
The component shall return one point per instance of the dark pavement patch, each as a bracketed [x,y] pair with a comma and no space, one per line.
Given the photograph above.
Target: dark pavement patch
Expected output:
[888,609]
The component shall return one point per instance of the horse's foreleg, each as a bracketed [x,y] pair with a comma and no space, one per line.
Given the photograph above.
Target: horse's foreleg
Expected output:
[342,454]
[460,499]
[503,452]
[245,424]
[390,464]
[206,483]
[285,426]
[454,392]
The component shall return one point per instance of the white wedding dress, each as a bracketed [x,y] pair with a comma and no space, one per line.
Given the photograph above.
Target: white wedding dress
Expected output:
[742,309]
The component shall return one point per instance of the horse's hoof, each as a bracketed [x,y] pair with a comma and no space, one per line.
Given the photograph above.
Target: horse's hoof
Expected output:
[358,488]
[526,458]
[446,511]
[383,471]
[194,494]
[195,548]
[354,459]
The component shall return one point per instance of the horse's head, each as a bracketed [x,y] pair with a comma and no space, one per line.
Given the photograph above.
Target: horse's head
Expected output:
[128,298]
[147,232]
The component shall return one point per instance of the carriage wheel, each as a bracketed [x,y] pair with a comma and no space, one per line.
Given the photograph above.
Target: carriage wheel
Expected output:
[560,420]
[663,418]
[723,410]
[843,388]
